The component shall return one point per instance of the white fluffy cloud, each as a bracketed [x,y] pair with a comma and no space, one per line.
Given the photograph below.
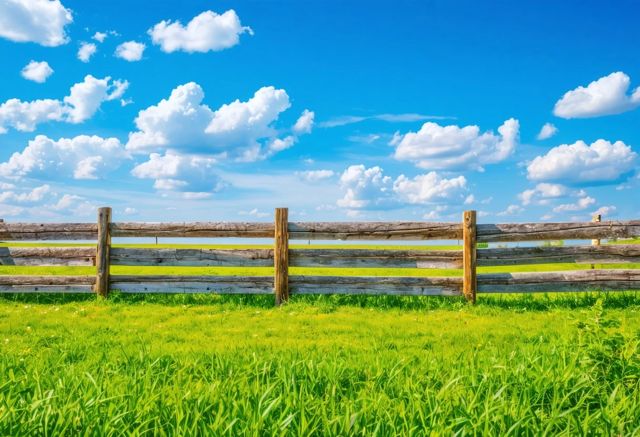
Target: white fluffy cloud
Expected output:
[25,116]
[429,188]
[37,71]
[81,157]
[187,174]
[304,124]
[32,196]
[581,204]
[365,188]
[451,147]
[86,51]
[85,97]
[71,204]
[605,96]
[83,101]
[369,188]
[601,161]
[543,193]
[242,130]
[39,21]
[206,32]
[547,131]
[99,36]
[130,51]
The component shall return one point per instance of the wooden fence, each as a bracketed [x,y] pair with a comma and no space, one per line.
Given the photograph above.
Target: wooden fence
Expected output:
[281,257]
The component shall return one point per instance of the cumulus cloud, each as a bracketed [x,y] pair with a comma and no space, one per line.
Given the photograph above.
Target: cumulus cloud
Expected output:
[25,116]
[241,130]
[81,157]
[32,196]
[208,31]
[85,97]
[193,176]
[130,51]
[428,188]
[83,101]
[547,131]
[86,51]
[369,188]
[304,124]
[581,204]
[99,36]
[602,161]
[39,21]
[315,175]
[365,188]
[605,96]
[453,147]
[543,193]
[75,205]
[37,71]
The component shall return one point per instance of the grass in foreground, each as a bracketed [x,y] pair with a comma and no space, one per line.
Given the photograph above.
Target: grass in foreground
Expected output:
[326,365]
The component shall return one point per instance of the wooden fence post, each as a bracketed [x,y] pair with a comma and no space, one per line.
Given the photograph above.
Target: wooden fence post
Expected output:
[596,219]
[281,256]
[102,252]
[596,242]
[469,244]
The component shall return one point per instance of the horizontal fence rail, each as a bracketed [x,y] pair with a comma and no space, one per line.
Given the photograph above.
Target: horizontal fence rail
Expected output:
[281,257]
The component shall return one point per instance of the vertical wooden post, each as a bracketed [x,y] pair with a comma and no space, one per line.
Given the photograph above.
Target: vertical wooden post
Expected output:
[281,256]
[469,244]
[596,242]
[102,252]
[596,219]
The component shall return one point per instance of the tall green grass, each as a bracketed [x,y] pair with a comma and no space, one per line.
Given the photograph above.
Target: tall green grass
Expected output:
[188,365]
[555,364]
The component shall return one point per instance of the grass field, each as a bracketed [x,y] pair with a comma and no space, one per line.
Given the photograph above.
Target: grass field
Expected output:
[321,365]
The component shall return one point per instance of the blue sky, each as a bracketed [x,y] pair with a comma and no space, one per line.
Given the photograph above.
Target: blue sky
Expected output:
[203,110]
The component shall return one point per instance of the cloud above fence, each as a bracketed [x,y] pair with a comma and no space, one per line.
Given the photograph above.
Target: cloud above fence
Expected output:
[580,163]
[178,110]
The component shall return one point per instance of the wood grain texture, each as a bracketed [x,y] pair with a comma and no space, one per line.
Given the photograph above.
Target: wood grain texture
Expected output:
[597,218]
[48,231]
[547,282]
[47,256]
[374,231]
[192,257]
[281,256]
[376,285]
[366,258]
[102,252]
[192,284]
[195,229]
[469,244]
[46,284]
[558,231]
[547,255]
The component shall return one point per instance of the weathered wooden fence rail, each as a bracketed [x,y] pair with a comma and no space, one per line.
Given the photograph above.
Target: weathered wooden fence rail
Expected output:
[281,257]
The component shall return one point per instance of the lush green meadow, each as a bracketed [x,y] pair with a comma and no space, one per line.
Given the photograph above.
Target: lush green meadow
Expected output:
[320,365]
